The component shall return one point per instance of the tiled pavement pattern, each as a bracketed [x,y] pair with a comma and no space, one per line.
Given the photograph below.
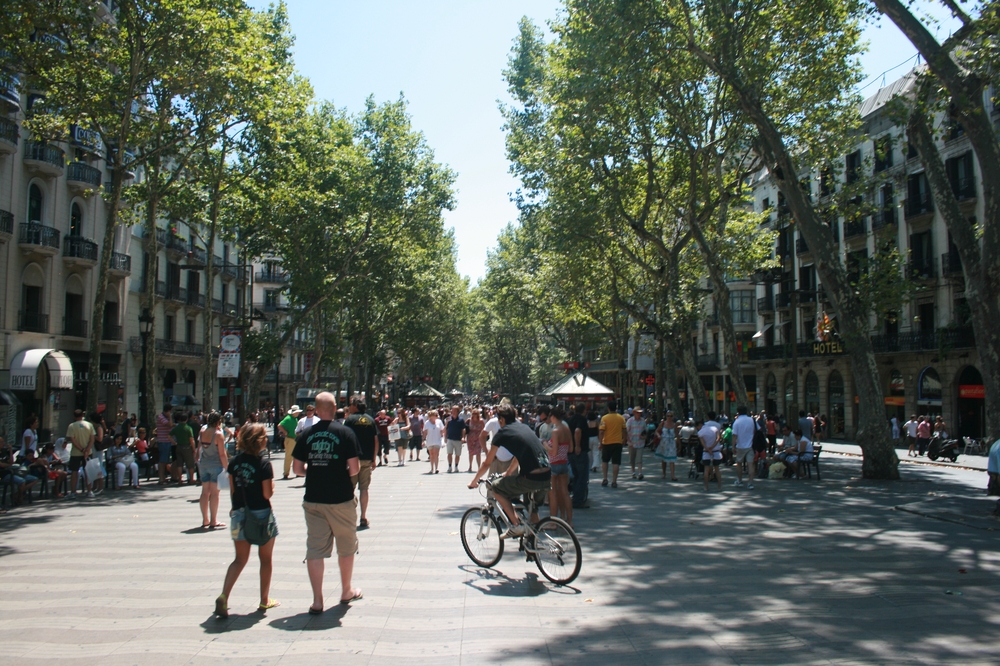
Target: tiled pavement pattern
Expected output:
[794,572]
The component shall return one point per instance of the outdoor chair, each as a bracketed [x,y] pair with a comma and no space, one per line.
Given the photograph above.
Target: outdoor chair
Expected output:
[808,465]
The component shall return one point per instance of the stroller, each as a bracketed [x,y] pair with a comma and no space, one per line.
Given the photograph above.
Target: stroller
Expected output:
[696,469]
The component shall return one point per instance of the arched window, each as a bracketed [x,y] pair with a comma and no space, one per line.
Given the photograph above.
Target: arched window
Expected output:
[930,385]
[76,220]
[35,200]
[812,393]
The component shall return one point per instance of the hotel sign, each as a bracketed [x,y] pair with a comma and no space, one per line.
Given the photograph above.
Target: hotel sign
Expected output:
[827,348]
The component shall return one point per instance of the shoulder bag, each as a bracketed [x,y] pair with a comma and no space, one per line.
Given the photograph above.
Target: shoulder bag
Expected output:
[256,530]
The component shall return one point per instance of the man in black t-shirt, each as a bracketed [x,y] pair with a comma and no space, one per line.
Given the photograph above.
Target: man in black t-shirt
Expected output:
[579,455]
[528,473]
[366,430]
[327,455]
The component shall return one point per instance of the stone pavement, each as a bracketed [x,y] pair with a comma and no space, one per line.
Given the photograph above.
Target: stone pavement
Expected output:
[793,572]
[971,460]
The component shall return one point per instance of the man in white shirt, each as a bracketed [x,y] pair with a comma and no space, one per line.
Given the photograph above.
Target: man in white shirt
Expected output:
[743,431]
[711,456]
[911,434]
[307,421]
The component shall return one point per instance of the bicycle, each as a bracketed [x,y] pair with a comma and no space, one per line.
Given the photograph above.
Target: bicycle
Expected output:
[551,543]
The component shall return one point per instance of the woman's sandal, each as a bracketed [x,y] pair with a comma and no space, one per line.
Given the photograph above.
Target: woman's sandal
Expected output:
[216,526]
[271,603]
[221,609]
[357,596]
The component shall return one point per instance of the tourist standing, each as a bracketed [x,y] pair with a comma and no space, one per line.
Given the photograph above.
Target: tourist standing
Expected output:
[366,432]
[212,459]
[911,434]
[923,434]
[612,437]
[29,438]
[476,424]
[743,432]
[579,456]
[81,435]
[251,486]
[557,448]
[416,433]
[635,427]
[286,427]
[183,438]
[711,449]
[433,436]
[328,455]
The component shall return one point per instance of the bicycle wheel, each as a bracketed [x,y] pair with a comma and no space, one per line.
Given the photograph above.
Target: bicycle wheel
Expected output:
[557,551]
[481,537]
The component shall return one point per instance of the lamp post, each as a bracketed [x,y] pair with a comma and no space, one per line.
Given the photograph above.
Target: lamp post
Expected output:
[145,327]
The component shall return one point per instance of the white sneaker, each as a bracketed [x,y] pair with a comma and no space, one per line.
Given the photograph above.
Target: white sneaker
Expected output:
[738,484]
[750,486]
[91,495]
[516,530]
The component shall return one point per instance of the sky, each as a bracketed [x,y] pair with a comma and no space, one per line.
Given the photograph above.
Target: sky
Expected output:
[446,58]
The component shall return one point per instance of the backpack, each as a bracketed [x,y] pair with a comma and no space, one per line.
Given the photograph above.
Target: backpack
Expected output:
[759,438]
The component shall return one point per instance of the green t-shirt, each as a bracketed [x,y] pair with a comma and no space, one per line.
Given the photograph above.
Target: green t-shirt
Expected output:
[727,437]
[289,423]
[182,433]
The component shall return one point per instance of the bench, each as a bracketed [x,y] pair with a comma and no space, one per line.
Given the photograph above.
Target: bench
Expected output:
[808,465]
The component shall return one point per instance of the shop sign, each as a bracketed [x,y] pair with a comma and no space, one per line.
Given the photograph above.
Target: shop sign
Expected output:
[106,378]
[975,391]
[827,348]
[720,396]
[895,401]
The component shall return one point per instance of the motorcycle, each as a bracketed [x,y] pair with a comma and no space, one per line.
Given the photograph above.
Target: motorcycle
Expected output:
[943,448]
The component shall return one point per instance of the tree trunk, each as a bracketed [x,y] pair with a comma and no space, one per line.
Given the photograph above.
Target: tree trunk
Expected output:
[695,387]
[209,371]
[318,353]
[981,275]
[674,393]
[148,300]
[97,314]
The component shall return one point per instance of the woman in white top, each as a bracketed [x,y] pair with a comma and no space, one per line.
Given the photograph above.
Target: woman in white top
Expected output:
[433,429]
[29,440]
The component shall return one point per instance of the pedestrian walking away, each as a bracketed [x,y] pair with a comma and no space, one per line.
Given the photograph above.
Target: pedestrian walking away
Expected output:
[612,437]
[182,437]
[251,519]
[286,427]
[212,459]
[328,456]
[743,453]
[365,430]
[710,434]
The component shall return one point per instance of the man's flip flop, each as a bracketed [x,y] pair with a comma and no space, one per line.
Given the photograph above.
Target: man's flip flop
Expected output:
[357,596]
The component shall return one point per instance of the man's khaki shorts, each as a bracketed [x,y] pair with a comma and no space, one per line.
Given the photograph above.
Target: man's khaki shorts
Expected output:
[325,522]
[454,447]
[365,474]
[739,455]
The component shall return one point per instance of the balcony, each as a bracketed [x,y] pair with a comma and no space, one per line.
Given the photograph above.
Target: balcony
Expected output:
[112,333]
[217,263]
[79,251]
[10,93]
[6,225]
[232,271]
[920,204]
[920,269]
[8,136]
[121,264]
[783,301]
[177,294]
[940,339]
[269,308]
[951,265]
[271,277]
[34,322]
[855,228]
[884,218]
[177,348]
[765,305]
[712,321]
[708,362]
[801,247]
[44,159]
[176,246]
[35,238]
[197,256]
[964,188]
[81,177]
[196,300]
[76,328]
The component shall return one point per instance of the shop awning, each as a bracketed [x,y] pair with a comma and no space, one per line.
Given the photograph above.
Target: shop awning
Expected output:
[759,334]
[24,369]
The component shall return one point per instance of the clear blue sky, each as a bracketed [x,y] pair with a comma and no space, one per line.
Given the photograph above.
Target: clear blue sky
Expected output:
[446,57]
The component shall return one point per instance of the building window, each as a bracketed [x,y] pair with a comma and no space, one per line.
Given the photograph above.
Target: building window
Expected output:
[35,200]
[883,153]
[960,175]
[76,220]
[168,327]
[189,330]
[741,304]
[853,166]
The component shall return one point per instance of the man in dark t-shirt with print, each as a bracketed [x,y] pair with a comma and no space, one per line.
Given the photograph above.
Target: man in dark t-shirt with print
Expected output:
[327,455]
[528,473]
[579,455]
[364,428]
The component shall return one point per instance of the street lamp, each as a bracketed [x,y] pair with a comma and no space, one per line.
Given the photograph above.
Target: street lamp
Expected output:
[145,328]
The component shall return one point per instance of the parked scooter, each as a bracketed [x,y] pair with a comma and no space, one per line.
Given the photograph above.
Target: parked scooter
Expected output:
[943,448]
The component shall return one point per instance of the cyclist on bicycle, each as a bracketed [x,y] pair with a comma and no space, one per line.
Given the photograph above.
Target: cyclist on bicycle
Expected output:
[528,473]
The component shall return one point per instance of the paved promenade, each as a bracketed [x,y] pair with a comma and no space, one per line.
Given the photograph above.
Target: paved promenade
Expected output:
[840,571]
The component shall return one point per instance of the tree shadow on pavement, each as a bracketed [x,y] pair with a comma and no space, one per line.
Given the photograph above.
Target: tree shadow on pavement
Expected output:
[791,572]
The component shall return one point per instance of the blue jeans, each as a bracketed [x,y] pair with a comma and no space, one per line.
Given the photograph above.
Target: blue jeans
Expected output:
[579,465]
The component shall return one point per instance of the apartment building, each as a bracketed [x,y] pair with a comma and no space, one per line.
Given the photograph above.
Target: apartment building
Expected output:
[926,351]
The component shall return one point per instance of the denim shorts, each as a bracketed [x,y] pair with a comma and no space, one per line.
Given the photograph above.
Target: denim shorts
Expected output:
[164,451]
[238,516]
[559,468]
[209,474]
